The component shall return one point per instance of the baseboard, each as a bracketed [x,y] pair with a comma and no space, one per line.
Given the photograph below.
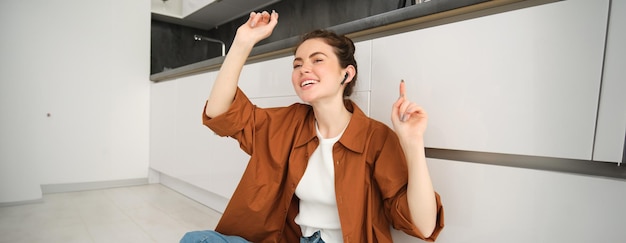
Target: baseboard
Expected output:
[19,203]
[198,194]
[86,186]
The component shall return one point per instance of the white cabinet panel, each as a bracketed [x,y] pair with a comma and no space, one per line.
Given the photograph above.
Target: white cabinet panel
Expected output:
[363,56]
[611,131]
[163,138]
[519,82]
[269,78]
[182,147]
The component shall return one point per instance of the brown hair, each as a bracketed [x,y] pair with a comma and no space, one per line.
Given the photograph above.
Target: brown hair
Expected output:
[344,50]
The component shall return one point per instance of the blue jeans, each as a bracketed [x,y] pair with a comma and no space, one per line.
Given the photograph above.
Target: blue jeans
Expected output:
[315,238]
[210,236]
[207,236]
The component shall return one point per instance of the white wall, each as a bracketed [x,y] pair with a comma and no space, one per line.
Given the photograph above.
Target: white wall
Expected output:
[86,63]
[483,203]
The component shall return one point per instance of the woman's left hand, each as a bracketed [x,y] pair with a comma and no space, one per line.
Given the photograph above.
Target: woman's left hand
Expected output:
[409,120]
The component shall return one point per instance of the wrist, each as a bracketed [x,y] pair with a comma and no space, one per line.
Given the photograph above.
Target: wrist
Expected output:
[242,42]
[412,141]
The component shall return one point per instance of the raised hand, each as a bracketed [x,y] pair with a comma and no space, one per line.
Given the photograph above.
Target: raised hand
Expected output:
[258,27]
[409,120]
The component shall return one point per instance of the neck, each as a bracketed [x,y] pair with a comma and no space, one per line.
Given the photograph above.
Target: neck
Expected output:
[331,118]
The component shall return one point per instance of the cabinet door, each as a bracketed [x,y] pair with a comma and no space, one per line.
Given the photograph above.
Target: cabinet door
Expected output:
[611,131]
[182,147]
[520,82]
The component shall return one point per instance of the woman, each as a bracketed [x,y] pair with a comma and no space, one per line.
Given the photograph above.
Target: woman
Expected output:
[321,171]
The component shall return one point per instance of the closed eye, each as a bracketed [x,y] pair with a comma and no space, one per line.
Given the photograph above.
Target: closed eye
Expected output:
[297,63]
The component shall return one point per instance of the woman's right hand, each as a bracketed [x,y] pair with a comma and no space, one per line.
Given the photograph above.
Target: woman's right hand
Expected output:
[258,27]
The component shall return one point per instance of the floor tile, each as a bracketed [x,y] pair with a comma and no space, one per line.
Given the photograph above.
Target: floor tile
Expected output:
[119,232]
[147,213]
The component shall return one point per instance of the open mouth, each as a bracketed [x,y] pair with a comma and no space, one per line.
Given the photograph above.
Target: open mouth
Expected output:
[308,82]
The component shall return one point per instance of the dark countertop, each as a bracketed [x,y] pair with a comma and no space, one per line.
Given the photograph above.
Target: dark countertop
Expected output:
[436,9]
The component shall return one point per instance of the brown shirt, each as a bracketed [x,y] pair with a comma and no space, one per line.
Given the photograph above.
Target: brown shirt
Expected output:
[370,174]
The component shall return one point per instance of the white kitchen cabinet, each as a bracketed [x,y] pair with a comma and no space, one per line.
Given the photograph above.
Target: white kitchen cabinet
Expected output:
[520,82]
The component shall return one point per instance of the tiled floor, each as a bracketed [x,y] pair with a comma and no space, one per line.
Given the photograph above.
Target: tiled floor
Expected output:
[148,213]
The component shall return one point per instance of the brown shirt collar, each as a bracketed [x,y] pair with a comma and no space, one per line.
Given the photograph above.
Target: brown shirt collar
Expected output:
[350,139]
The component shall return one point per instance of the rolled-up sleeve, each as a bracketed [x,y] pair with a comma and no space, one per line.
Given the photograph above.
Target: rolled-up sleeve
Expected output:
[392,177]
[400,214]
[234,121]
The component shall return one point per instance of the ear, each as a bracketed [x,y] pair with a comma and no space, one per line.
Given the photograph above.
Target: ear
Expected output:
[350,72]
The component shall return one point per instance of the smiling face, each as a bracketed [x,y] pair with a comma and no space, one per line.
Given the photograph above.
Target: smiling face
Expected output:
[317,74]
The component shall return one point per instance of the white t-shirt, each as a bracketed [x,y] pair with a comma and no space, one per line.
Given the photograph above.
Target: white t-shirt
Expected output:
[316,191]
